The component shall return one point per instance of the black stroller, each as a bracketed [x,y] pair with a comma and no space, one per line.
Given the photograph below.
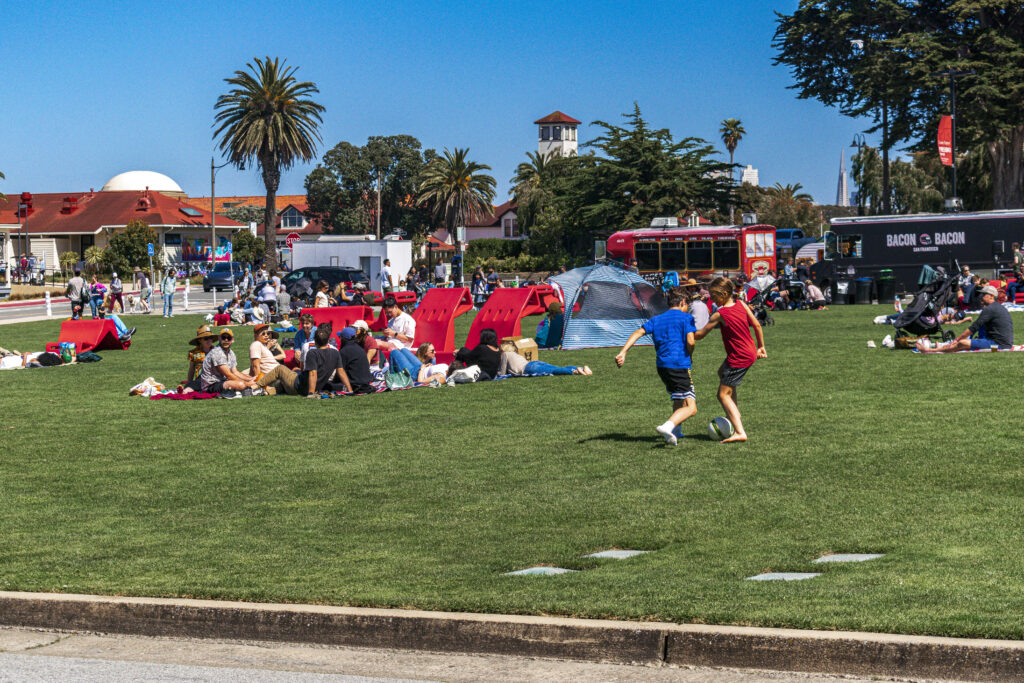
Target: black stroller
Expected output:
[759,305]
[797,292]
[923,317]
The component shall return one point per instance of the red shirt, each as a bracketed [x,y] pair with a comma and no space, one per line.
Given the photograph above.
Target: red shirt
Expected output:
[740,351]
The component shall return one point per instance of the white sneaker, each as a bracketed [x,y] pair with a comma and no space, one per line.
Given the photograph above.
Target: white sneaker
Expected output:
[667,432]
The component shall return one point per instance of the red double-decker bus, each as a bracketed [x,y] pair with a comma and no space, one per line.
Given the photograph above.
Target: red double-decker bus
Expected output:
[695,251]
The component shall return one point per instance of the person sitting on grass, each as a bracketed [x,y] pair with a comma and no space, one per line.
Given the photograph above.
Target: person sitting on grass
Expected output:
[404,359]
[220,373]
[512,363]
[815,299]
[555,321]
[303,339]
[427,355]
[673,335]
[353,359]
[340,296]
[201,344]
[320,366]
[486,355]
[374,348]
[994,328]
[268,371]
[357,296]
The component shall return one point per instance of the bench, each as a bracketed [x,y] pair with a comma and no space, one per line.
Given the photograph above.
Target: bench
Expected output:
[339,316]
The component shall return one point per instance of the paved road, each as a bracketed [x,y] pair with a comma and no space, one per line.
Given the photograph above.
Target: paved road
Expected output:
[31,655]
[199,302]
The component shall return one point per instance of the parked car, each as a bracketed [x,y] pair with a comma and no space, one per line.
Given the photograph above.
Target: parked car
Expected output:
[332,274]
[224,276]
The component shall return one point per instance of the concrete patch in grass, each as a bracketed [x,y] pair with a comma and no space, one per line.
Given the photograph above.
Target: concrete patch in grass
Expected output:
[783,576]
[849,557]
[617,554]
[541,571]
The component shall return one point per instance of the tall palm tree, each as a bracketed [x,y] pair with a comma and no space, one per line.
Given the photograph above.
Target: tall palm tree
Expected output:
[455,189]
[267,118]
[790,193]
[732,132]
[530,185]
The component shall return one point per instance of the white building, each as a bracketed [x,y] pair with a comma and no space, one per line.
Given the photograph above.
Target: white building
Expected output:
[749,176]
[557,134]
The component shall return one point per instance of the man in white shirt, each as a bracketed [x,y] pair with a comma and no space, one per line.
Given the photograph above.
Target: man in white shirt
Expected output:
[440,273]
[401,329]
[386,279]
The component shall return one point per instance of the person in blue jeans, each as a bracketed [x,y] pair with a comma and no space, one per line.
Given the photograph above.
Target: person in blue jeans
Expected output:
[404,359]
[513,363]
[167,287]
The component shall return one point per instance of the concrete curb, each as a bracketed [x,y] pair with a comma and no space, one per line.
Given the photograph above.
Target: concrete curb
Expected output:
[579,639]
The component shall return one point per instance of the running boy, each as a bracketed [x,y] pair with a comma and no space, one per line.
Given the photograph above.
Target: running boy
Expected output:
[672,332]
[736,318]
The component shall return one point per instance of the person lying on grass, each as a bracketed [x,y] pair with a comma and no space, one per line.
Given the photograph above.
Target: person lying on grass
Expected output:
[673,335]
[13,360]
[735,319]
[220,368]
[512,363]
[994,328]
[404,359]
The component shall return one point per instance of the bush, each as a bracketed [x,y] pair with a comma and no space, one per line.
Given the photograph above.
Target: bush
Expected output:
[493,247]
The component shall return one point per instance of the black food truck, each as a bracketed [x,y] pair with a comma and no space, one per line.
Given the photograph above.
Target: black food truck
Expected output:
[898,246]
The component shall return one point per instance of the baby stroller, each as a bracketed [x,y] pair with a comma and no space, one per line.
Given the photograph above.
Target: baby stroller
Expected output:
[797,293]
[759,305]
[922,318]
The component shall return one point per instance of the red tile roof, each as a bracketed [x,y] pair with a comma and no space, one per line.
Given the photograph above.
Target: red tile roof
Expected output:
[439,245]
[225,203]
[312,227]
[88,212]
[557,117]
[494,218]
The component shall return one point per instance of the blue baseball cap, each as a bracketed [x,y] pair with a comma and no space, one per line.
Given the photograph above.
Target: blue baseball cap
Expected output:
[348,333]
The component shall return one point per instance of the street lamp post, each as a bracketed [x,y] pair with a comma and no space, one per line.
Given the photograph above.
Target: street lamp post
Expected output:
[213,222]
[954,201]
[859,143]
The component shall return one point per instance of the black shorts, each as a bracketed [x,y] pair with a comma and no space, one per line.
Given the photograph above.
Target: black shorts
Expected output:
[730,376]
[216,388]
[677,383]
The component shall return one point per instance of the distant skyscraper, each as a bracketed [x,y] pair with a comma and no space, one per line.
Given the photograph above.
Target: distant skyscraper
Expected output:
[749,175]
[842,192]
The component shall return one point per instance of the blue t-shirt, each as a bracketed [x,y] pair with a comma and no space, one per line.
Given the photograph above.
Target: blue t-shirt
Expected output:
[669,332]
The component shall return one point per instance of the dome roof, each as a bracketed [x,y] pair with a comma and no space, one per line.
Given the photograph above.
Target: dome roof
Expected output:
[140,180]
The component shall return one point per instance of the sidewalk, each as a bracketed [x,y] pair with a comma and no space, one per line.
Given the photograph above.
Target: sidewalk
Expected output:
[63,299]
[840,652]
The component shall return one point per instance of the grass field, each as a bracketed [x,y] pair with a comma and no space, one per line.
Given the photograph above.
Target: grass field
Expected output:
[423,498]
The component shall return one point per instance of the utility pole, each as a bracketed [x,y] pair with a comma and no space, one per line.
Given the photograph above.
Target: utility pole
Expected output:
[378,203]
[953,74]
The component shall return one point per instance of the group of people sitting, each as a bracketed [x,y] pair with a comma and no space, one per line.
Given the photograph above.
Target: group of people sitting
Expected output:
[349,360]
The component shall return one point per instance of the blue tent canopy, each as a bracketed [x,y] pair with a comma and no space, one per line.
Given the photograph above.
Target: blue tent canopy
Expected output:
[604,305]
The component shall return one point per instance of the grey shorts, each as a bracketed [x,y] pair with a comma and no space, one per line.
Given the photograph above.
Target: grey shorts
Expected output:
[730,376]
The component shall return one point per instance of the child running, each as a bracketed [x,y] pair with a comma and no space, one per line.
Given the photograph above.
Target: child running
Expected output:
[673,334]
[736,318]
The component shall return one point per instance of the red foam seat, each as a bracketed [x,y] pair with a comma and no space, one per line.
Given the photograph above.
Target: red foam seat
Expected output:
[435,319]
[504,312]
[339,316]
[91,335]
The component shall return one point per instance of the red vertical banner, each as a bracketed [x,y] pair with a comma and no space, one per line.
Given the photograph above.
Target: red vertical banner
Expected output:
[946,141]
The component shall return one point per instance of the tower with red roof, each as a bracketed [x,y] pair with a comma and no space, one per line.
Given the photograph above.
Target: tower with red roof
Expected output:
[557,134]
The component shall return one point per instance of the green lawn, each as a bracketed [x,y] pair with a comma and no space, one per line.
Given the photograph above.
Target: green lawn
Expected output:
[423,498]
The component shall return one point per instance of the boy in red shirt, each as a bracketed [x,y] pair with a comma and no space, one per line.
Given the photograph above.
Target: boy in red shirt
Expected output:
[736,319]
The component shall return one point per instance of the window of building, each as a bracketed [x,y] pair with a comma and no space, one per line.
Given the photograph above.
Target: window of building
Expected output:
[647,256]
[291,219]
[727,255]
[511,227]
[172,240]
[573,129]
[673,255]
[544,133]
[698,256]
[556,132]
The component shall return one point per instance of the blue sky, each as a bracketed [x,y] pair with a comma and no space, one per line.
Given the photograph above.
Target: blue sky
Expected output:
[97,88]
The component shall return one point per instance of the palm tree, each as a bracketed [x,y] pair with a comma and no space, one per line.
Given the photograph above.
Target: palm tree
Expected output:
[268,119]
[732,132]
[455,189]
[95,257]
[530,185]
[790,193]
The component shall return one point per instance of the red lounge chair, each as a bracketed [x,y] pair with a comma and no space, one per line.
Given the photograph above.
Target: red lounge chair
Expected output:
[90,335]
[435,319]
[340,316]
[403,298]
[504,312]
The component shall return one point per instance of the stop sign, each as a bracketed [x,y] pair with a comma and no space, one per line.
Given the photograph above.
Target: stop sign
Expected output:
[291,239]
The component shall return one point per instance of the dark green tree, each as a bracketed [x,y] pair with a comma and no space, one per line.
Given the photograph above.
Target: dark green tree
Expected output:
[268,119]
[882,59]
[246,247]
[532,186]
[127,249]
[342,190]
[245,214]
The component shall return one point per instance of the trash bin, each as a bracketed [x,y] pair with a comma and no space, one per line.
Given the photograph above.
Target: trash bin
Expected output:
[864,287]
[841,292]
[886,290]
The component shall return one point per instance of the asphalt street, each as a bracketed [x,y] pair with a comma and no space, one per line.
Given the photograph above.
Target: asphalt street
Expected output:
[199,302]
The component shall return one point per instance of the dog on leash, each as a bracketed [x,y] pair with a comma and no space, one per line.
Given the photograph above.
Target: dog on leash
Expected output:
[131,303]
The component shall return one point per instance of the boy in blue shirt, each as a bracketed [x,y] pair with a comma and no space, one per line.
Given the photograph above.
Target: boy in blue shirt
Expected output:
[673,334]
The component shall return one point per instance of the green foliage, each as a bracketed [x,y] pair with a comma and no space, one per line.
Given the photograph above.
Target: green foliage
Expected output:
[921,184]
[67,260]
[245,214]
[532,186]
[95,257]
[732,132]
[127,249]
[894,68]
[342,190]
[246,247]
[455,189]
[268,120]
[484,249]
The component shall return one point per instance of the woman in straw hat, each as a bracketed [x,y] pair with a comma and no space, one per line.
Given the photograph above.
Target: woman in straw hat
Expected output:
[201,345]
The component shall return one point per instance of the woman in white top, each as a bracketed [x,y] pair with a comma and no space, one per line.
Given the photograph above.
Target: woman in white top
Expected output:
[323,300]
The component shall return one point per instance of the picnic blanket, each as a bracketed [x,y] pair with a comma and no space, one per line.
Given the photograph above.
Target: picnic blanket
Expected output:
[191,396]
[1016,347]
